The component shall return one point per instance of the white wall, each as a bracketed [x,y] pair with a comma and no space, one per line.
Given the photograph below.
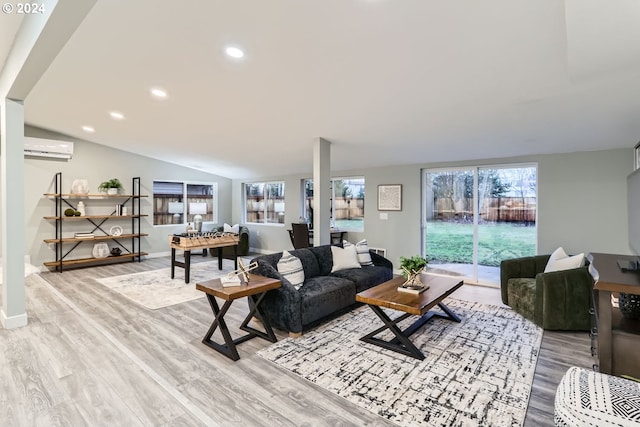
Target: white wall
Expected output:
[97,163]
[582,204]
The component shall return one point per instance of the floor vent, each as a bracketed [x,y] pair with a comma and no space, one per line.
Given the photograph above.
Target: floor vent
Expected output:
[379,251]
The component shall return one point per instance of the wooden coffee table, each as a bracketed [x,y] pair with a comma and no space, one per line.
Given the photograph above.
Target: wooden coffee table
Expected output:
[386,295]
[255,291]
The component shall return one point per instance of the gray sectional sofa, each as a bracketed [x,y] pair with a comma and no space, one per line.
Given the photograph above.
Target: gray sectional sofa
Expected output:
[323,293]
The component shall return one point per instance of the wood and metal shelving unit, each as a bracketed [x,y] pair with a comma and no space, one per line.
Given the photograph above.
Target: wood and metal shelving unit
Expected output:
[129,243]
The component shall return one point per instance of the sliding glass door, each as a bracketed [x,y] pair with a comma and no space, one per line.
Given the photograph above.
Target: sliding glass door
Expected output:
[476,217]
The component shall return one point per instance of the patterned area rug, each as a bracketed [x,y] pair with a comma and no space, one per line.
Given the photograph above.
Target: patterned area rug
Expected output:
[155,289]
[476,373]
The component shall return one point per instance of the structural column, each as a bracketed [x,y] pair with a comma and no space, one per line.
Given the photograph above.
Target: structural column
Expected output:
[13,313]
[38,41]
[321,191]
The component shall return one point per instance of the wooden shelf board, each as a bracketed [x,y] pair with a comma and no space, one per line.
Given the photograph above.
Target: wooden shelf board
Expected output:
[93,196]
[75,239]
[80,261]
[93,217]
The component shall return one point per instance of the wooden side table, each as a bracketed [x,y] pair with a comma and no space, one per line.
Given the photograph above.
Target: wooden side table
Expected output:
[618,338]
[255,291]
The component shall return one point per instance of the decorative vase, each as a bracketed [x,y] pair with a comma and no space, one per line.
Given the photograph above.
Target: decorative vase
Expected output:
[81,209]
[112,191]
[100,250]
[80,186]
[629,305]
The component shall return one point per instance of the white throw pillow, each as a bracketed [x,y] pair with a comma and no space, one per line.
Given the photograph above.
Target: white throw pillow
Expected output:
[344,258]
[555,255]
[362,251]
[231,228]
[290,267]
[566,263]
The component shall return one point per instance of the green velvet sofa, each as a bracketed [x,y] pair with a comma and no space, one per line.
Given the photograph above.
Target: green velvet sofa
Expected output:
[558,300]
[243,245]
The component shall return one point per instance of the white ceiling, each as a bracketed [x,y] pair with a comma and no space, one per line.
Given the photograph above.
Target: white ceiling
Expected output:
[388,82]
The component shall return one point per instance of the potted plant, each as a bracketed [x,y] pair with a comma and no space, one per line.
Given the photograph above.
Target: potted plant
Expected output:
[111,186]
[411,269]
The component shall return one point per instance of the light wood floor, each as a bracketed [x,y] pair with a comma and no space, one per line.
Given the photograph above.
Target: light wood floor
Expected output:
[90,357]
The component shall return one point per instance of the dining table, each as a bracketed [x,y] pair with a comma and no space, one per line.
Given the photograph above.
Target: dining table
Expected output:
[337,235]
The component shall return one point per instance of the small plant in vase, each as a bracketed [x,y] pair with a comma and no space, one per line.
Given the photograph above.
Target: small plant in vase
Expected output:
[111,186]
[411,269]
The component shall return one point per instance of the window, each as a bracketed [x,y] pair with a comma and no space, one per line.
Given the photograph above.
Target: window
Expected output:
[475,217]
[177,202]
[347,203]
[264,202]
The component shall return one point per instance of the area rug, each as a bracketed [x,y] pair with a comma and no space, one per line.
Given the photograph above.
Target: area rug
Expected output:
[155,289]
[476,373]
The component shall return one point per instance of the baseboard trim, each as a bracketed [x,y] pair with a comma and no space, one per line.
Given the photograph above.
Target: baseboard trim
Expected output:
[13,321]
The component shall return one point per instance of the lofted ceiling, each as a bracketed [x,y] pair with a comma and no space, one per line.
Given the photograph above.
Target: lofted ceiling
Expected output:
[387,82]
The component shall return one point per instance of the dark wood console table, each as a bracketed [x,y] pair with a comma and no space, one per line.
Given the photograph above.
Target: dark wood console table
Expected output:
[618,338]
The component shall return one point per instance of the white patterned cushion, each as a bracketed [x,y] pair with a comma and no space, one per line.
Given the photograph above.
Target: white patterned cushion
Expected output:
[588,398]
[231,228]
[362,250]
[344,258]
[290,267]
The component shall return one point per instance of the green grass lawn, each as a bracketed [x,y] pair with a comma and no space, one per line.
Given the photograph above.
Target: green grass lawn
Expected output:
[452,242]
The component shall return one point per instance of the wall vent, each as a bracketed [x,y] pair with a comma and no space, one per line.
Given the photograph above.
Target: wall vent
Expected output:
[379,251]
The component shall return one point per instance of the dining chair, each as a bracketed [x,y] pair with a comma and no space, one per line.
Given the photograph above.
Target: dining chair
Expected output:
[300,235]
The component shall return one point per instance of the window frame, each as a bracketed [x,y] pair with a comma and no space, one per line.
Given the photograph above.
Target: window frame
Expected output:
[184,199]
[303,194]
[265,210]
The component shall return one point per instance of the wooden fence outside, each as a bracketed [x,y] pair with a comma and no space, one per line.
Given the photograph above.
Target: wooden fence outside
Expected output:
[495,209]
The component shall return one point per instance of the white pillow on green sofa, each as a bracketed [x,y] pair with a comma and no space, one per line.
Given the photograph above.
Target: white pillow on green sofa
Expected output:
[231,228]
[559,260]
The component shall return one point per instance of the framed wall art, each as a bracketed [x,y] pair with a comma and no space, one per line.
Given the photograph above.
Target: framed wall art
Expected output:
[390,197]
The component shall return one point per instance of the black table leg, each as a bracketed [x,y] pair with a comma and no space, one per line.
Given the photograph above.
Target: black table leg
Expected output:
[401,342]
[187,266]
[229,347]
[173,262]
[403,345]
[254,305]
[450,314]
[220,258]
[235,257]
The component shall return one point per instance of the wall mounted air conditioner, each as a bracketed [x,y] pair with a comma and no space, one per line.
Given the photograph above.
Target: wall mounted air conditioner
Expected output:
[39,147]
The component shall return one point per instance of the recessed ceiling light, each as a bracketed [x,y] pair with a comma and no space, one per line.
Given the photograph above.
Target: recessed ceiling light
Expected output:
[116,115]
[234,52]
[158,93]
[88,129]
